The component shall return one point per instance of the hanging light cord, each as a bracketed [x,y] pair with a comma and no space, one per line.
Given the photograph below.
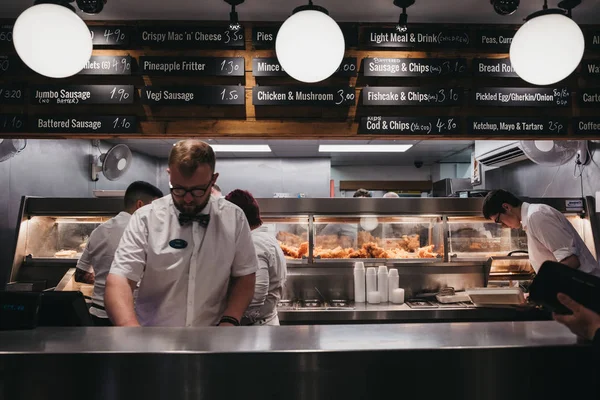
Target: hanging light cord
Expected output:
[545,5]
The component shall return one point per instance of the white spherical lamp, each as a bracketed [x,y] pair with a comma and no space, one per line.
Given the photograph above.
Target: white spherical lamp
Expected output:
[547,48]
[310,45]
[52,40]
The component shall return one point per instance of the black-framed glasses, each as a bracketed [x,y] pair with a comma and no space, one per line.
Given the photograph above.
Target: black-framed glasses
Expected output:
[196,192]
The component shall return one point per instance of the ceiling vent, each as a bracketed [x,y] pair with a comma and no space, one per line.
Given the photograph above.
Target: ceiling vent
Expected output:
[502,155]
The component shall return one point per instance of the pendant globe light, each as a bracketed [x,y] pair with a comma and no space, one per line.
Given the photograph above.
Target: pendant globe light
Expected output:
[310,44]
[549,46]
[52,40]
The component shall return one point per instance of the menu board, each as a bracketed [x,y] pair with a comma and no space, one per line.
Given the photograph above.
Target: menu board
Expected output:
[494,40]
[263,37]
[218,95]
[269,66]
[6,36]
[192,66]
[81,94]
[592,40]
[12,94]
[84,124]
[9,65]
[586,126]
[13,123]
[108,65]
[489,126]
[193,37]
[431,37]
[320,96]
[521,97]
[589,98]
[402,67]
[494,67]
[103,35]
[591,68]
[411,96]
[409,125]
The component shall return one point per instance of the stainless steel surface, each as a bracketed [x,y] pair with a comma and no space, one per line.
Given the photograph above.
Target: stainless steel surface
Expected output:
[492,361]
[65,280]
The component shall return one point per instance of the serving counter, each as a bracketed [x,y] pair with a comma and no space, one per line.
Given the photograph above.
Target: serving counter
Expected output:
[505,360]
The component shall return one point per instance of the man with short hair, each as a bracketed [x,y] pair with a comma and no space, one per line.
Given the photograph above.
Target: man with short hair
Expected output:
[195,253]
[550,236]
[362,193]
[95,262]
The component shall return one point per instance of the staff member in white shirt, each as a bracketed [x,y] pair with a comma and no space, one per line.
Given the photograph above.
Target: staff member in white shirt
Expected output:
[272,269]
[195,253]
[550,236]
[94,264]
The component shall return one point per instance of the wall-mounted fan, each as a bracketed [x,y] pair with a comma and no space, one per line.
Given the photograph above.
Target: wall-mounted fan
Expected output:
[113,164]
[11,147]
[556,152]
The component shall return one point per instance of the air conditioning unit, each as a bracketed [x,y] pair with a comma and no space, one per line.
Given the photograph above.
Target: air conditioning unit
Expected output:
[498,153]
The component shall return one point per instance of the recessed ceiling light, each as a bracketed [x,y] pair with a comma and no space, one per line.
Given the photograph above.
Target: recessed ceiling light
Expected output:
[241,148]
[362,148]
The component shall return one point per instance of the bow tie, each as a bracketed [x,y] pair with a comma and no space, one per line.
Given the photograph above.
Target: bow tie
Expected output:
[202,219]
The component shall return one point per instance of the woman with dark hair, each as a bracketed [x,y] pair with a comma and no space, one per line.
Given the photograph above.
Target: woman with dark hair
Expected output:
[272,270]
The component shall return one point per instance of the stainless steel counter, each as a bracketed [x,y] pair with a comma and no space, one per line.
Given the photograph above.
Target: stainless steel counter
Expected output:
[392,313]
[518,360]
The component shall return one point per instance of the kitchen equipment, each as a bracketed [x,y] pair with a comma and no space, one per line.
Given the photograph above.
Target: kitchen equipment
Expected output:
[371,277]
[311,303]
[359,282]
[496,296]
[393,282]
[397,296]
[113,164]
[420,304]
[373,297]
[382,283]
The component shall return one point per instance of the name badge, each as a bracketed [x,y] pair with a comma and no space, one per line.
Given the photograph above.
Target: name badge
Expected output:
[178,244]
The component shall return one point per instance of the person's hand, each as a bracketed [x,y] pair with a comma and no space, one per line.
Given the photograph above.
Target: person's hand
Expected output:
[583,322]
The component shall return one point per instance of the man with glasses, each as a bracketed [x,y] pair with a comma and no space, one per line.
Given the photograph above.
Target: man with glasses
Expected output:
[194,251]
[550,236]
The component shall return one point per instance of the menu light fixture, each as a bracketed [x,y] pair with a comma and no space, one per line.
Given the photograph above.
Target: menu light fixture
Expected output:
[91,6]
[51,39]
[505,7]
[234,22]
[403,21]
[361,148]
[549,46]
[241,148]
[310,44]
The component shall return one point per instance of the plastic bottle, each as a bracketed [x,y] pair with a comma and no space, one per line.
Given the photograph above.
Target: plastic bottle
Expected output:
[371,280]
[359,282]
[382,283]
[393,282]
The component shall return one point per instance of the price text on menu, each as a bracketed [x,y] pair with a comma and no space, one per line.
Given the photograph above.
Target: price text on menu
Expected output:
[12,94]
[195,95]
[411,96]
[269,66]
[9,65]
[522,97]
[81,94]
[113,36]
[320,96]
[108,65]
[489,126]
[13,123]
[409,125]
[193,37]
[192,66]
[390,67]
[84,124]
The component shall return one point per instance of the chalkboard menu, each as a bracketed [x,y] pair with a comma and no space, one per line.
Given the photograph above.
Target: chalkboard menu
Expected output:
[409,126]
[320,96]
[114,36]
[522,97]
[84,124]
[586,126]
[411,96]
[193,37]
[11,94]
[9,65]
[402,67]
[81,94]
[589,98]
[489,126]
[494,67]
[193,66]
[593,41]
[108,65]
[12,123]
[269,66]
[431,37]
[494,40]
[193,95]
[591,68]
[263,37]
[6,38]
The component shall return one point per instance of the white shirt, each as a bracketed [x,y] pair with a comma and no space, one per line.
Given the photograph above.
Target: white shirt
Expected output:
[99,254]
[186,269]
[550,236]
[270,276]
